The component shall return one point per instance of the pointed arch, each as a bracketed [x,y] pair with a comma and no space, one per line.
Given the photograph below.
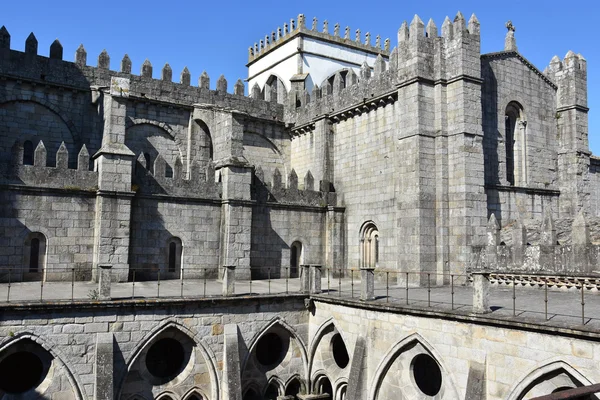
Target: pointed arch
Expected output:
[397,350]
[316,340]
[195,391]
[285,326]
[53,350]
[547,368]
[277,382]
[339,389]
[167,395]
[171,323]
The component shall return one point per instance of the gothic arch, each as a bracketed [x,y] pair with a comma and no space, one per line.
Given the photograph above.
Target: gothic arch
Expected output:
[282,90]
[529,382]
[194,392]
[53,350]
[396,351]
[205,351]
[314,345]
[167,395]
[50,106]
[131,121]
[339,389]
[369,245]
[285,326]
[278,383]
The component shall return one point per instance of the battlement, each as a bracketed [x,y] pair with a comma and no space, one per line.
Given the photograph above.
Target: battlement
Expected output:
[290,191]
[29,167]
[418,56]
[164,179]
[294,29]
[78,75]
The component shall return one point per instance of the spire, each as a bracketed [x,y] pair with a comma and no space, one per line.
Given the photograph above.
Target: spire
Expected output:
[31,45]
[255,93]
[167,73]
[4,38]
[239,88]
[417,28]
[204,81]
[510,42]
[56,50]
[403,32]
[447,29]
[146,69]
[104,60]
[83,159]
[474,25]
[460,25]
[81,56]
[222,85]
[126,64]
[365,71]
[185,78]
[431,30]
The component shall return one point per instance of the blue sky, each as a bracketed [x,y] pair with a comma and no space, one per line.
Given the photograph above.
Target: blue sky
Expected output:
[215,36]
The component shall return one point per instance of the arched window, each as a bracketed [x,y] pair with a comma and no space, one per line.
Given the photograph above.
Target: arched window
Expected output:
[294,388]
[272,391]
[174,250]
[515,127]
[323,386]
[369,246]
[296,259]
[28,152]
[194,396]
[35,252]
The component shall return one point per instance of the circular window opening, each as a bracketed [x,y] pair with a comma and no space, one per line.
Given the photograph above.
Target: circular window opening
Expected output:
[269,349]
[427,374]
[20,372]
[340,353]
[165,358]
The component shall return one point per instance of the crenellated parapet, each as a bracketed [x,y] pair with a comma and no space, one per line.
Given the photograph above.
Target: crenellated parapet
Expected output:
[290,190]
[298,27]
[160,178]
[29,167]
[81,76]
[423,54]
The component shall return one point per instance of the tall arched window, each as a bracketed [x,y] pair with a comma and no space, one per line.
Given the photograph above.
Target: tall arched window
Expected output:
[174,255]
[296,259]
[369,246]
[35,252]
[515,141]
[28,152]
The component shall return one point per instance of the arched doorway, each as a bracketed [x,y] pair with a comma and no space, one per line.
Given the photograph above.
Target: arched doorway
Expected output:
[296,259]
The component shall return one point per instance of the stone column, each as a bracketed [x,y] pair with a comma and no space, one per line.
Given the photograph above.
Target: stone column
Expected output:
[228,280]
[367,283]
[104,281]
[356,380]
[103,387]
[315,279]
[481,292]
[305,278]
[232,382]
[114,164]
[236,215]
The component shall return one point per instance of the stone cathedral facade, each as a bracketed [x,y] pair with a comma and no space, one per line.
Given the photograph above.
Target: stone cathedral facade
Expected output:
[345,153]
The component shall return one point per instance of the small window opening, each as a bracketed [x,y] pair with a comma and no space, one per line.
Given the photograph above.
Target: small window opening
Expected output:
[172,256]
[34,258]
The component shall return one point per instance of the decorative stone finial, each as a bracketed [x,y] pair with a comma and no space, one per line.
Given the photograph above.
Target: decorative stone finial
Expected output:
[126,64]
[336,30]
[166,73]
[104,60]
[403,32]
[325,26]
[31,45]
[474,25]
[147,69]
[378,41]
[347,33]
[447,29]
[314,24]
[81,56]
[368,38]
[255,93]
[222,84]
[204,81]
[56,50]
[510,42]
[379,65]
[185,78]
[238,88]
[431,29]
[357,36]
[4,38]
[365,71]
[386,44]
